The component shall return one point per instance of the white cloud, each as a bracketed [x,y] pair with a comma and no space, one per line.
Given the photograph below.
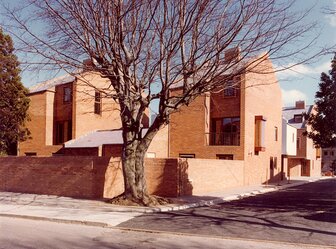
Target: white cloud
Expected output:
[302,70]
[331,17]
[290,96]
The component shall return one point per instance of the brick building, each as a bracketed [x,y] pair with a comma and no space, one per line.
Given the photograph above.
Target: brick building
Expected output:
[242,122]
[66,108]
[307,159]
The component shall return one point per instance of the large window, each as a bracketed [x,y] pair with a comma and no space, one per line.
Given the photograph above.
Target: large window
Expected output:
[97,103]
[63,131]
[225,131]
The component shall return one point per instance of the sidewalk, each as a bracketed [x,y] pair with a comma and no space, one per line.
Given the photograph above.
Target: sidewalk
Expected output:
[99,213]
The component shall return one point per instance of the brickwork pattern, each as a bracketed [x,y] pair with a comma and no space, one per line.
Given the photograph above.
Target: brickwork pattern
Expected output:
[101,177]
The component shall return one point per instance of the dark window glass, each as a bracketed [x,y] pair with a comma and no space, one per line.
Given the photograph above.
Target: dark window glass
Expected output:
[59,133]
[97,103]
[224,156]
[66,94]
[225,131]
[298,118]
[230,90]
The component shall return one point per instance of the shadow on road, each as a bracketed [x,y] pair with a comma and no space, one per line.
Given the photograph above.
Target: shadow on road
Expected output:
[302,214]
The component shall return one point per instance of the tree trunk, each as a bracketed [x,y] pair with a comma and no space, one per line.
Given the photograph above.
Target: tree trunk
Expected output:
[134,175]
[134,151]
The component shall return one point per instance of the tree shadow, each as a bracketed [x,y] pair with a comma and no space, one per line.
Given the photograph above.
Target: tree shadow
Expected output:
[300,214]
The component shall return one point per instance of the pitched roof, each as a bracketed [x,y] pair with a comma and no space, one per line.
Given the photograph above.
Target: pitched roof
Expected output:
[45,85]
[289,112]
[98,138]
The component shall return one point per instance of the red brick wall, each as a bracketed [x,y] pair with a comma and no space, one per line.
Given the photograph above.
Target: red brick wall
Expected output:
[81,177]
[80,151]
[98,177]
[112,150]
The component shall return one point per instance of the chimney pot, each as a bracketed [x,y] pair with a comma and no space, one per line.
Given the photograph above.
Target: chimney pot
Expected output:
[300,104]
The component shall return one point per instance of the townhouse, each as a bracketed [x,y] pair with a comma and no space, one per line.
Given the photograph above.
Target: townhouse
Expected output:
[66,108]
[306,161]
[242,122]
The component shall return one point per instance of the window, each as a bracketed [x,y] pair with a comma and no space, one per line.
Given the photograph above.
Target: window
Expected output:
[224,156]
[66,94]
[275,133]
[63,131]
[293,138]
[230,90]
[298,118]
[259,133]
[187,155]
[59,132]
[325,153]
[30,153]
[332,153]
[298,143]
[97,103]
[225,131]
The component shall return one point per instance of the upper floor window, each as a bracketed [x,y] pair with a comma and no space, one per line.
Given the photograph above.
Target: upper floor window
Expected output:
[230,90]
[298,118]
[66,94]
[97,103]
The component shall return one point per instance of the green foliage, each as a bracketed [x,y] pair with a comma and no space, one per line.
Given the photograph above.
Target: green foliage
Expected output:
[13,99]
[324,121]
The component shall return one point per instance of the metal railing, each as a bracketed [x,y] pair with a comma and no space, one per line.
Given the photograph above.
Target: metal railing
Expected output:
[223,138]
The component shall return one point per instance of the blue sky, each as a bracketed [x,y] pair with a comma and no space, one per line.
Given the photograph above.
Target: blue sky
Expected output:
[301,82]
[298,83]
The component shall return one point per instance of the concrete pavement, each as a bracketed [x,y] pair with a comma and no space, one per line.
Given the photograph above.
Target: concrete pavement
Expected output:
[99,213]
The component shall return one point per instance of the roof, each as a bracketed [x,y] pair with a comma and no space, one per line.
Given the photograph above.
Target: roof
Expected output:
[45,85]
[289,112]
[98,138]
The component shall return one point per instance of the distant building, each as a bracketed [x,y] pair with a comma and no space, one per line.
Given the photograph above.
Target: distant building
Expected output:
[307,159]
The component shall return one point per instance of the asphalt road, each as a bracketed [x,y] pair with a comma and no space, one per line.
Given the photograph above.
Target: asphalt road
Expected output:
[32,234]
[302,215]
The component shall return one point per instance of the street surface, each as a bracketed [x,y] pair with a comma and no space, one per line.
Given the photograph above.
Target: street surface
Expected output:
[297,217]
[303,214]
[28,234]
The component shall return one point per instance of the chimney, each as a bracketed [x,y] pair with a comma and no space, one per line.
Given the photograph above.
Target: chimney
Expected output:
[300,104]
[232,55]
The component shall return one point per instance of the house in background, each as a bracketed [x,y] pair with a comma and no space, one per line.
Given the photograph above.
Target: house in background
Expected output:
[289,142]
[328,160]
[67,108]
[242,123]
[307,160]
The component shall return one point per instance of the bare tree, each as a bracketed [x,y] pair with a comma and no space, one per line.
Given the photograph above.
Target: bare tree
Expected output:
[145,48]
